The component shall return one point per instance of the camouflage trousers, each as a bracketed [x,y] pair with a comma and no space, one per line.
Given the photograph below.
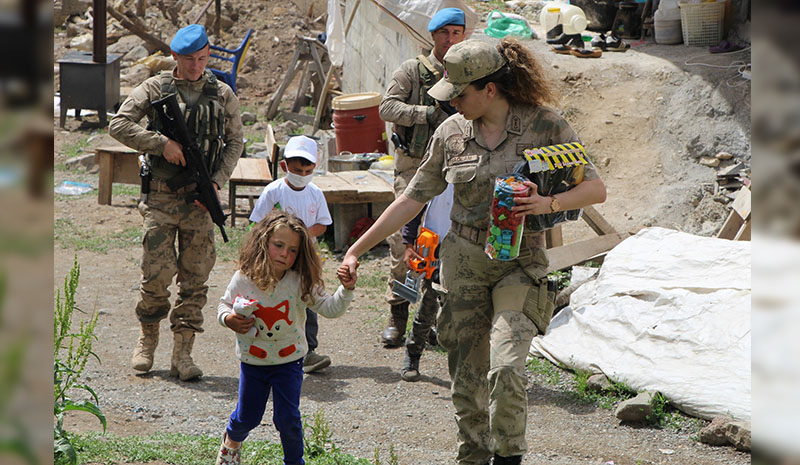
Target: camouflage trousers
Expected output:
[405,169]
[423,319]
[491,311]
[168,216]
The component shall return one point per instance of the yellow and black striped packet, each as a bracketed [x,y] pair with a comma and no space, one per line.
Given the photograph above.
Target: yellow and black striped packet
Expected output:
[554,157]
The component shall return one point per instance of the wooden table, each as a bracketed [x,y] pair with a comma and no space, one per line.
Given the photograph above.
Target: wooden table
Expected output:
[118,163]
[353,195]
[248,172]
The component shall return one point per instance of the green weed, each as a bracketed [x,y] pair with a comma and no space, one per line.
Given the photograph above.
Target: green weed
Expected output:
[319,441]
[229,251]
[544,369]
[76,148]
[71,351]
[607,399]
[69,236]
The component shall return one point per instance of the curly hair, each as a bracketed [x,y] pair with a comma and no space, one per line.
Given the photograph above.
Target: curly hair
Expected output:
[255,263]
[522,79]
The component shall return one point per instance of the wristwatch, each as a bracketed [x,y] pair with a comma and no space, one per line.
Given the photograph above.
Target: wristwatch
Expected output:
[554,205]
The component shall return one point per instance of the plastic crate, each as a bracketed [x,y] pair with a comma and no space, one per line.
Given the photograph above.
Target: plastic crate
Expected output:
[702,23]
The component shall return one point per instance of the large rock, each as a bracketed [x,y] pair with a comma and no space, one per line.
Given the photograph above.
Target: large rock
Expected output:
[635,410]
[137,53]
[714,434]
[82,42]
[85,161]
[598,383]
[125,44]
[135,75]
[738,434]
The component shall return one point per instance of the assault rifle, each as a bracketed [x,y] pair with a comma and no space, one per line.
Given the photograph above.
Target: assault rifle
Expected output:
[174,126]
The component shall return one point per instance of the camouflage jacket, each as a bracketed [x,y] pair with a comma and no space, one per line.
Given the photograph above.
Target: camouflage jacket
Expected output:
[126,125]
[457,154]
[406,103]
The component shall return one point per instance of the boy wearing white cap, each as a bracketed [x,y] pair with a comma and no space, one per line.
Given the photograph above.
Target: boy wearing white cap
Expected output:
[296,194]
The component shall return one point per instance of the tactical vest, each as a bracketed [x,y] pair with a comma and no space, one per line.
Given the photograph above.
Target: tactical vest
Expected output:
[205,119]
[420,133]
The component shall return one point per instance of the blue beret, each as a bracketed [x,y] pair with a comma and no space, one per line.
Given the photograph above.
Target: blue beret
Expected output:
[189,39]
[446,17]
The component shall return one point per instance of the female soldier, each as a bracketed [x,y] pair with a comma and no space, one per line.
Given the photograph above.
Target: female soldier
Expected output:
[493,308]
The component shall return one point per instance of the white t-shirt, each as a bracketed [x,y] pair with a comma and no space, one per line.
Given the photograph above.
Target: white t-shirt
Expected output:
[308,204]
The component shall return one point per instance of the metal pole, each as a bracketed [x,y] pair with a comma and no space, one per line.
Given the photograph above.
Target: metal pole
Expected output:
[99,31]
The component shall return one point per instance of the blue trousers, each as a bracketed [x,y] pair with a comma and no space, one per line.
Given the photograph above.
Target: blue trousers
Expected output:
[255,383]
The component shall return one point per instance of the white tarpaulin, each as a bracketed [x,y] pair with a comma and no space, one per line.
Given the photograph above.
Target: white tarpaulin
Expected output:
[668,312]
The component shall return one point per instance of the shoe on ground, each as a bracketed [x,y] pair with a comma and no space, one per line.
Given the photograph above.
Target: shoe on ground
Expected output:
[584,53]
[410,370]
[614,43]
[314,361]
[513,460]
[228,455]
[599,42]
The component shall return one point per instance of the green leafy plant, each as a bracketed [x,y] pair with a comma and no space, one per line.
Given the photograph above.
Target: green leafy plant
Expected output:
[319,441]
[71,351]
[394,459]
[658,410]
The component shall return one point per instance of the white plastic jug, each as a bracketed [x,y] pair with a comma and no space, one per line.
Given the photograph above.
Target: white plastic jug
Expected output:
[570,17]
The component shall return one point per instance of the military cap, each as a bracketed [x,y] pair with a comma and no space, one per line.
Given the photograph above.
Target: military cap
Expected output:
[189,39]
[446,17]
[466,62]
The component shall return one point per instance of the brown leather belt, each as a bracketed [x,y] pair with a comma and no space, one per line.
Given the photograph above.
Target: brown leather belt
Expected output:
[472,234]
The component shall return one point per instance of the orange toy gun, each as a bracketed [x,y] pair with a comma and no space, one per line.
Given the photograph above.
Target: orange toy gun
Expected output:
[425,247]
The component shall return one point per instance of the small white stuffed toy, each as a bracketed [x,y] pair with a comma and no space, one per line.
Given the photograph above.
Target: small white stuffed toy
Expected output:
[246,307]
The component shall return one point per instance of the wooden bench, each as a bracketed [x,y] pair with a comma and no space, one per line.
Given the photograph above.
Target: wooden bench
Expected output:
[248,172]
[118,163]
[253,172]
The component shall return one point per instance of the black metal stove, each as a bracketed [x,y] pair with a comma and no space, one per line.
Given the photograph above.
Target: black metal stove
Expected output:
[91,80]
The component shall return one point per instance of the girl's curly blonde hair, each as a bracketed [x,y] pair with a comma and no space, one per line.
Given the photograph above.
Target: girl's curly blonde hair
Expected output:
[254,261]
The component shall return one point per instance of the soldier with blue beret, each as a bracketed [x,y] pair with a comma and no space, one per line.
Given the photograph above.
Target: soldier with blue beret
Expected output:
[415,115]
[212,113]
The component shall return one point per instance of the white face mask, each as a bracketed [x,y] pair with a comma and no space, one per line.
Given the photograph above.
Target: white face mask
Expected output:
[298,181]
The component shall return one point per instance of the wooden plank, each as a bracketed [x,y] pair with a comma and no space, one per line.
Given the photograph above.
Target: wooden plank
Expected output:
[252,170]
[731,226]
[106,174]
[126,168]
[596,221]
[272,145]
[553,237]
[741,204]
[577,252]
[744,232]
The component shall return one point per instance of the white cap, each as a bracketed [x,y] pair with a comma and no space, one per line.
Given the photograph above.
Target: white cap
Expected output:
[301,146]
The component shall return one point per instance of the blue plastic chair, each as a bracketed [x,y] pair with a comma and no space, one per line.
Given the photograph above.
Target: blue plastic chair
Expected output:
[235,57]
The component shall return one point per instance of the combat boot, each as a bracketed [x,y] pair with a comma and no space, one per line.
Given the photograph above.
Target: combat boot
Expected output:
[395,331]
[410,370]
[182,364]
[513,460]
[142,359]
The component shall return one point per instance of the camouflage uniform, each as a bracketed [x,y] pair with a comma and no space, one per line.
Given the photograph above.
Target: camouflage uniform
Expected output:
[415,116]
[167,214]
[492,309]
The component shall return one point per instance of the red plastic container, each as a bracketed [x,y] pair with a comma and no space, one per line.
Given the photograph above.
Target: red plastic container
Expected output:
[357,125]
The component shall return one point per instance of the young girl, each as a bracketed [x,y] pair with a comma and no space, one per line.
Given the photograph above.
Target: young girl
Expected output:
[280,274]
